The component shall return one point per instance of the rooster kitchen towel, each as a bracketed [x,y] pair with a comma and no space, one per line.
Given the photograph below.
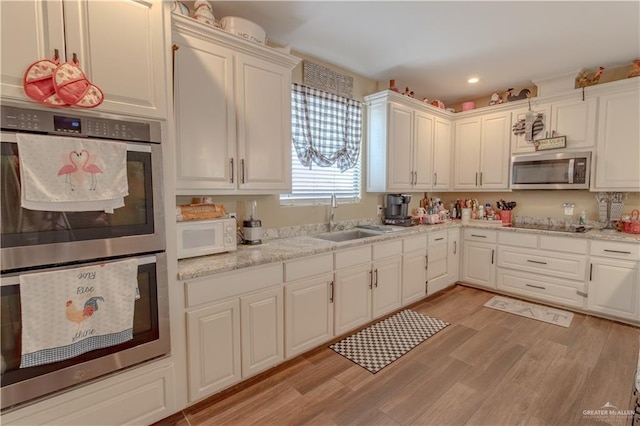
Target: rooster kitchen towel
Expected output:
[69,312]
[72,174]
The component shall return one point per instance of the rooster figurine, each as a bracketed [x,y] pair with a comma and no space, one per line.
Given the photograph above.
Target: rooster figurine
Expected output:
[90,306]
[589,79]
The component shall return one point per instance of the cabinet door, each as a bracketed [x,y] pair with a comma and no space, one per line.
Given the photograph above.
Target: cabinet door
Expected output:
[213,341]
[422,152]
[121,48]
[518,142]
[494,155]
[414,276]
[387,286]
[353,288]
[466,166]
[308,314]
[262,319]
[575,119]
[442,149]
[613,288]
[31,30]
[263,96]
[453,256]
[616,162]
[205,115]
[479,264]
[400,149]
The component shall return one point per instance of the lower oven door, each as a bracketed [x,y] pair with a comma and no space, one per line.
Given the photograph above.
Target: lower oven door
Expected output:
[150,337]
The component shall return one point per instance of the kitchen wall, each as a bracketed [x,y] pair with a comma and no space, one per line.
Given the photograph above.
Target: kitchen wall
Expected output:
[530,203]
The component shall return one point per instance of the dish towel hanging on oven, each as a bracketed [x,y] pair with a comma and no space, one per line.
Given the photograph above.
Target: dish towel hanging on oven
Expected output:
[72,174]
[69,312]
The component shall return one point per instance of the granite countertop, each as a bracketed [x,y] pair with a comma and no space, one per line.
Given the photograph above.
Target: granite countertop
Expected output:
[277,250]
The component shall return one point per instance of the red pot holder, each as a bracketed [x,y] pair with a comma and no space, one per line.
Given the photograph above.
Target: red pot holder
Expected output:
[72,87]
[38,83]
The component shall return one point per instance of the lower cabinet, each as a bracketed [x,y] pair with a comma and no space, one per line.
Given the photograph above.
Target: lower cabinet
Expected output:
[479,257]
[387,286]
[437,262]
[414,269]
[353,287]
[453,256]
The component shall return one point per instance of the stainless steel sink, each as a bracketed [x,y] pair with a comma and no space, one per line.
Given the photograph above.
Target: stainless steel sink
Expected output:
[346,235]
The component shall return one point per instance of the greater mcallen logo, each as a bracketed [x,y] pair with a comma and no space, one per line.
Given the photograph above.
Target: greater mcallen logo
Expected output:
[607,412]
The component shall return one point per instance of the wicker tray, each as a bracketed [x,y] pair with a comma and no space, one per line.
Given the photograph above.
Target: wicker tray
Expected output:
[199,211]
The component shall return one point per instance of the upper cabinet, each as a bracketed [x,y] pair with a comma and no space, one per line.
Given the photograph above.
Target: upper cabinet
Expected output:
[126,60]
[233,112]
[574,118]
[617,157]
[409,145]
[481,158]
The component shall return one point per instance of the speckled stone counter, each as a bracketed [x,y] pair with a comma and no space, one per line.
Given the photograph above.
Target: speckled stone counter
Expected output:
[277,250]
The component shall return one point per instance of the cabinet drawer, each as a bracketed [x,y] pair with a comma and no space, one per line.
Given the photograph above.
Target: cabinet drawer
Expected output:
[414,243]
[566,244]
[352,257]
[387,249]
[616,250]
[308,267]
[437,238]
[234,283]
[519,239]
[558,265]
[554,290]
[482,235]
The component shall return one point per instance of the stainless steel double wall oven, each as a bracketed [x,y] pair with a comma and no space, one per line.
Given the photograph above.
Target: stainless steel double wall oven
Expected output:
[37,241]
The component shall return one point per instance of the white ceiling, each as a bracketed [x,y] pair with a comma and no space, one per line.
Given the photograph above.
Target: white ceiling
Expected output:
[435,46]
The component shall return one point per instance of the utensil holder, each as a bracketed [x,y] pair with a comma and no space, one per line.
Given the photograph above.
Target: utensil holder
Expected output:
[505,217]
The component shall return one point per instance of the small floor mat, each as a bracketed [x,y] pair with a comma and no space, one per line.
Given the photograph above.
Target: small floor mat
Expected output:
[379,345]
[530,310]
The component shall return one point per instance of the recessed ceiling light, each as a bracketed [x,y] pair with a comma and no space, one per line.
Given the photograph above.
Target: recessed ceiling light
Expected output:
[473,80]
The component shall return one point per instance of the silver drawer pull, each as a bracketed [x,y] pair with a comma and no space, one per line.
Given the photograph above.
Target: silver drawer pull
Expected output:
[440,239]
[536,286]
[617,251]
[479,236]
[537,261]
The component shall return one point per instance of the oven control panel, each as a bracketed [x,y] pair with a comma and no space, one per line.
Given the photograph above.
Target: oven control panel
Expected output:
[76,123]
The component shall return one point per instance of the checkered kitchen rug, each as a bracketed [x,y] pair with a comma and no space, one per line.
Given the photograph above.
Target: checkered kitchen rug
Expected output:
[377,346]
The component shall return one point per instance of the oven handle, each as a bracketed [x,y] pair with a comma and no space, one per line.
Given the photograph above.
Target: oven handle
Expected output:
[14,279]
[11,137]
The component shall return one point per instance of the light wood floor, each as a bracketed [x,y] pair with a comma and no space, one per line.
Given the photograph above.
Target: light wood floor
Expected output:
[487,368]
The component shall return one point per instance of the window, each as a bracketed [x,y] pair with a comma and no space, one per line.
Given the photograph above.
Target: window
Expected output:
[326,140]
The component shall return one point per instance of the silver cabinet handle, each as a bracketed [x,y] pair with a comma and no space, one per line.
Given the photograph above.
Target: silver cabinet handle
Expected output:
[232,168]
[376,281]
[440,239]
[536,286]
[242,164]
[415,178]
[617,251]
[370,279]
[455,247]
[331,292]
[479,236]
[492,253]
[480,178]
[426,262]
[536,261]
[590,271]
[435,178]
[476,178]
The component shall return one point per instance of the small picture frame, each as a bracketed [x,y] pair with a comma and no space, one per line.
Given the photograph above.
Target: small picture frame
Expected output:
[551,143]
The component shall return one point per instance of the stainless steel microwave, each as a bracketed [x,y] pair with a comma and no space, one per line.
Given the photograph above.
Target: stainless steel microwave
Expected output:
[549,170]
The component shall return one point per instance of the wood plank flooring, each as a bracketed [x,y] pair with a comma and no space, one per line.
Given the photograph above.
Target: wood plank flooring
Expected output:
[487,368]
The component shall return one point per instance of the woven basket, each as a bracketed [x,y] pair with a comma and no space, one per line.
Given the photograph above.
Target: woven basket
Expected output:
[632,226]
[199,211]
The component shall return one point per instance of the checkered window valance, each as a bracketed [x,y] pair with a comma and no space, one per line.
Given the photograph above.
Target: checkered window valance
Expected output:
[326,128]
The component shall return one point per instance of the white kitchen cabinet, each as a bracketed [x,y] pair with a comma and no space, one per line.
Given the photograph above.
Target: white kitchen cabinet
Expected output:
[409,145]
[262,329]
[613,288]
[482,152]
[387,286]
[479,257]
[574,118]
[437,262]
[414,269]
[213,336]
[127,62]
[453,256]
[353,289]
[617,159]
[308,313]
[233,112]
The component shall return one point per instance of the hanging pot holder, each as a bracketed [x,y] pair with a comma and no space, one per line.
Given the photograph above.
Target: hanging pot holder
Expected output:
[72,87]
[37,82]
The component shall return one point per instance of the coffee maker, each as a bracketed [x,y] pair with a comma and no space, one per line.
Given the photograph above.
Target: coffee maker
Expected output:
[396,211]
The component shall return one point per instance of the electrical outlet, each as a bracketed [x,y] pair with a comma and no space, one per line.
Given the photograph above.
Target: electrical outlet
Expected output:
[379,209]
[233,215]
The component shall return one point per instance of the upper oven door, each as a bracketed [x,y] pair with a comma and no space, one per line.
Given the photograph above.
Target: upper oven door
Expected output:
[32,238]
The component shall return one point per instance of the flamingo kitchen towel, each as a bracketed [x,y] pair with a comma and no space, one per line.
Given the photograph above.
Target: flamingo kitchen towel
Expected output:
[72,174]
[69,312]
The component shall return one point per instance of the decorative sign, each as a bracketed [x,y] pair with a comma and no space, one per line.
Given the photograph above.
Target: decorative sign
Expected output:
[551,143]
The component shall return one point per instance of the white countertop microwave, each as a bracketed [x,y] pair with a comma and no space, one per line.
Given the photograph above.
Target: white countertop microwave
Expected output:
[203,237]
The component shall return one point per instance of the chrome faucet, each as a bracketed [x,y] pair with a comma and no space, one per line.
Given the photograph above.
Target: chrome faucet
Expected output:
[332,213]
